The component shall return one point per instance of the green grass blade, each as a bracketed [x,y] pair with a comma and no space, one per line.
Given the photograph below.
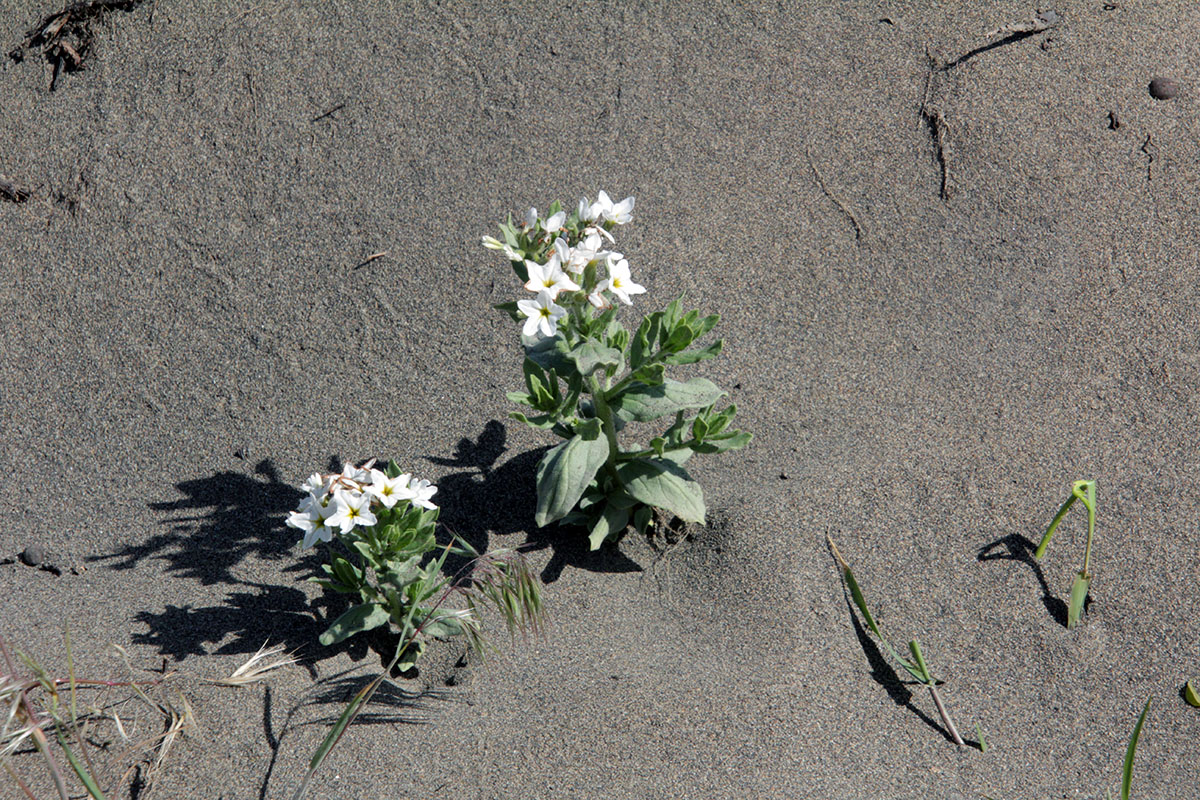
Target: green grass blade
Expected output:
[1127,770]
[1190,695]
[914,647]
[84,776]
[861,602]
[1079,592]
[1062,512]
[983,745]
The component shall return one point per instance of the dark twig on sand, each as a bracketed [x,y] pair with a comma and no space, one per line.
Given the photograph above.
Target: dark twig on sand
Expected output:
[858,228]
[329,113]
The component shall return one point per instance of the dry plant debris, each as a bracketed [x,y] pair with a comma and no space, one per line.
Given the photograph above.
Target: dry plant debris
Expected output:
[65,37]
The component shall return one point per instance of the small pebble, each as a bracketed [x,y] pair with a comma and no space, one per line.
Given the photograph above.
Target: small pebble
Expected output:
[1163,88]
[33,555]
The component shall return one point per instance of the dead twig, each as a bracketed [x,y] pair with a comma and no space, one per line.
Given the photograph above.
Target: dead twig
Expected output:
[370,258]
[329,113]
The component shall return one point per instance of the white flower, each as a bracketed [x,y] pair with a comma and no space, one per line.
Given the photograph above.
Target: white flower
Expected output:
[555,221]
[543,314]
[619,282]
[313,519]
[422,491]
[315,485]
[492,243]
[531,219]
[390,491]
[350,509]
[585,211]
[617,213]
[598,299]
[576,259]
[549,277]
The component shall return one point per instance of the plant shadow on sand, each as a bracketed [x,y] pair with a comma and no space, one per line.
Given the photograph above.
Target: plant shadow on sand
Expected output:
[218,523]
[482,499]
[885,675]
[1015,547]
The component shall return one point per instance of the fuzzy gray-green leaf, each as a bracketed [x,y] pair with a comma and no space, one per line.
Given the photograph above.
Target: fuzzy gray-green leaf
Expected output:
[664,485]
[613,520]
[641,403]
[364,617]
[564,473]
[591,355]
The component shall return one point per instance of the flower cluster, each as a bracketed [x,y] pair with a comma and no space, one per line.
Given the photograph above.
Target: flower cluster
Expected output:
[559,257]
[339,502]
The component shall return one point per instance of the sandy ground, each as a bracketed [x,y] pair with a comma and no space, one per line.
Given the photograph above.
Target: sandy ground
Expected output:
[929,350]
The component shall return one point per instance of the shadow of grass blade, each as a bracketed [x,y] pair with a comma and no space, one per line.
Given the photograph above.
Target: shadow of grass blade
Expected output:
[1127,769]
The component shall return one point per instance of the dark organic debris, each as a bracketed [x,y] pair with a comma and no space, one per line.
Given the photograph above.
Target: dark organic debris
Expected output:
[1163,88]
[13,193]
[65,37]
[1114,122]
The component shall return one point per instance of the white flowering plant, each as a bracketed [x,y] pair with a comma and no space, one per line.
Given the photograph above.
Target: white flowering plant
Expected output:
[587,377]
[381,529]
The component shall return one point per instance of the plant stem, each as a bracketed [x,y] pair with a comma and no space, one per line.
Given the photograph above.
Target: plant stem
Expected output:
[1087,548]
[1041,548]
[606,421]
[949,723]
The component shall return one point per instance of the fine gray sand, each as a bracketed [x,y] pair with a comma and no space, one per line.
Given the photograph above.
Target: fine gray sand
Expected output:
[929,349]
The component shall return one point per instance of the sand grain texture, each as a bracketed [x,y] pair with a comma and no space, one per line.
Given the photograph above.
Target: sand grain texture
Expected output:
[186,337]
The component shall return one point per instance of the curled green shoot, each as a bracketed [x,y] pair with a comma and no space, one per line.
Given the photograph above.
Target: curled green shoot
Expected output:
[1084,491]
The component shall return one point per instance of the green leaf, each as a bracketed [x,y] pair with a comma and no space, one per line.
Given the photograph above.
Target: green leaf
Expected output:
[543,421]
[612,521]
[1190,696]
[693,356]
[642,518]
[1062,512]
[591,355]
[551,352]
[589,429]
[443,628]
[361,618]
[564,473]
[510,309]
[401,574]
[664,485]
[734,440]
[520,398]
[641,403]
[1127,769]
[80,771]
[1079,592]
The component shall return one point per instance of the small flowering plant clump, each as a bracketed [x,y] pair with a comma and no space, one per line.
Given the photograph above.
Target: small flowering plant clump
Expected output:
[381,527]
[587,377]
